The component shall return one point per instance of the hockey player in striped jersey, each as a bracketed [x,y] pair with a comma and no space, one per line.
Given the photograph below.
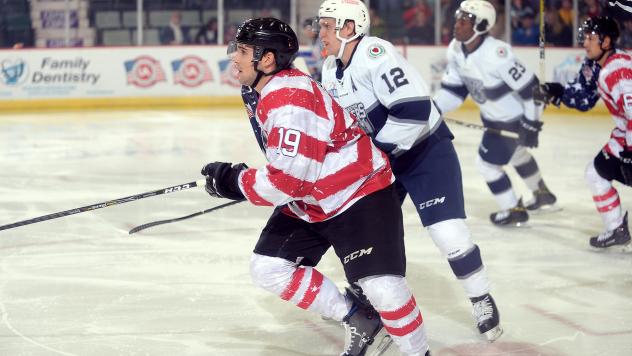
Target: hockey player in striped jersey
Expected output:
[391,101]
[502,87]
[606,73]
[331,188]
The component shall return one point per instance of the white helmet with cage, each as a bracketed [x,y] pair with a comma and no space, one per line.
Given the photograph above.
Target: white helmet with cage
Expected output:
[482,13]
[342,11]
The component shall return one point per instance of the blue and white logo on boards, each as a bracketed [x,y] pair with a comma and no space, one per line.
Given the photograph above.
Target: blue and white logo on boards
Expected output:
[13,71]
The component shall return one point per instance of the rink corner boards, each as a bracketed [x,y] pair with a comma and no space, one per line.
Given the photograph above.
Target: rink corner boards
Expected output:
[129,103]
[191,102]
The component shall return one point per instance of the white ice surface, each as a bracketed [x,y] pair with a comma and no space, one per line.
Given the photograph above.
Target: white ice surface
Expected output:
[80,285]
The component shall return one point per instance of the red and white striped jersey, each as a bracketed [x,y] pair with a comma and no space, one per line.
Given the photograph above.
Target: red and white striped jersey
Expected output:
[615,88]
[319,160]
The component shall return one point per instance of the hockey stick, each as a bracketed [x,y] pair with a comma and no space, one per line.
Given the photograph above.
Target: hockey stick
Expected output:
[503,133]
[175,188]
[541,43]
[167,221]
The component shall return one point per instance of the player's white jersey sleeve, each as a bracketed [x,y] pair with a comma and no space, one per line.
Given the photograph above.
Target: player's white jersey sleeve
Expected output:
[520,80]
[401,90]
[452,92]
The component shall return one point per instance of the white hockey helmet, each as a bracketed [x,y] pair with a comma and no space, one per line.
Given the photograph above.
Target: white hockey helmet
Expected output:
[343,10]
[483,12]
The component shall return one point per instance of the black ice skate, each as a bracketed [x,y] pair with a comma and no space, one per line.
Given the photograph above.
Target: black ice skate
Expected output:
[619,236]
[361,324]
[515,216]
[487,317]
[543,200]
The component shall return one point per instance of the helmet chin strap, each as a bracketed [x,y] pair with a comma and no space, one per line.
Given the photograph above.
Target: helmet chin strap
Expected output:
[261,74]
[603,52]
[343,43]
[476,34]
[257,78]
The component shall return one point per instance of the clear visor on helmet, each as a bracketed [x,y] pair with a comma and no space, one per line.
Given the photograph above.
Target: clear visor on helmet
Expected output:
[583,33]
[462,15]
[232,48]
[325,23]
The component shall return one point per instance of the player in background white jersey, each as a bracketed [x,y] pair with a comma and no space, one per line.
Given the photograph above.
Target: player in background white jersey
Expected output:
[392,103]
[331,188]
[502,87]
[606,73]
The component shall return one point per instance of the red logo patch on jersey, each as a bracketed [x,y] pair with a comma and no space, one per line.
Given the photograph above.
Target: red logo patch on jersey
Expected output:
[501,52]
[376,51]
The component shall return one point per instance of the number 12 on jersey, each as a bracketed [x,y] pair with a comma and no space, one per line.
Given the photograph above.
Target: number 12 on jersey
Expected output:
[397,79]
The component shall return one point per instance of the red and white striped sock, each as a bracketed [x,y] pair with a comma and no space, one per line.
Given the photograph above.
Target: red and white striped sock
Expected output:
[311,290]
[609,207]
[399,312]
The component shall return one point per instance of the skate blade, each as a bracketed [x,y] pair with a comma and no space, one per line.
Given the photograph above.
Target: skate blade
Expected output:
[493,334]
[377,349]
[546,209]
[627,248]
[326,318]
[518,225]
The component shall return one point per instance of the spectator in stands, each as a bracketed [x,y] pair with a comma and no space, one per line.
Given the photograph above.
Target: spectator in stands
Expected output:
[557,33]
[418,24]
[518,9]
[448,11]
[591,8]
[378,26]
[566,12]
[421,31]
[528,32]
[175,33]
[390,13]
[207,33]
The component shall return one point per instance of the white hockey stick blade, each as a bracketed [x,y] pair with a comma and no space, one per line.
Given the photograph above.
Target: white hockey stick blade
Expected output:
[379,348]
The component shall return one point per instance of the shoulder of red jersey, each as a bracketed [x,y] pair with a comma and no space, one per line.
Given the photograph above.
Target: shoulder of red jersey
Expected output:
[287,79]
[618,65]
[619,59]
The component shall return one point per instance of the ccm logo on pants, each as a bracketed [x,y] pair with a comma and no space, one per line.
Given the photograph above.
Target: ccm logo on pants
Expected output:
[355,254]
[431,202]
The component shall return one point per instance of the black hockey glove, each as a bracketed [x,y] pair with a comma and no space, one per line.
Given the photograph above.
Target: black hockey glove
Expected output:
[626,166]
[548,93]
[528,134]
[222,180]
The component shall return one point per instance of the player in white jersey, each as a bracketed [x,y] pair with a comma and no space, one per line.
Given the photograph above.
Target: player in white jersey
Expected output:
[331,188]
[502,87]
[392,103]
[606,73]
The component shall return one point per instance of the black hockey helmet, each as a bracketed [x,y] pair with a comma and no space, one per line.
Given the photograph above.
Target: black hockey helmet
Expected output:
[599,25]
[268,34]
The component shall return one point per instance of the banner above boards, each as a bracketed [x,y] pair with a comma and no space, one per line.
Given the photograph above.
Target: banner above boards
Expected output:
[184,71]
